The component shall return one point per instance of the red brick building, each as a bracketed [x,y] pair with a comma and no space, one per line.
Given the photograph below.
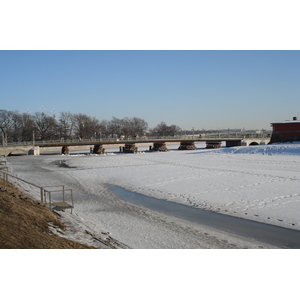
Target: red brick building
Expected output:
[286,132]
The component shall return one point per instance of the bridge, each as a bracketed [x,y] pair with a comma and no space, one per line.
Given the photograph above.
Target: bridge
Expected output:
[128,145]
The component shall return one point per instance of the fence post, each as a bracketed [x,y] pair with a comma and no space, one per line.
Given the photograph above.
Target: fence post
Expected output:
[42,195]
[72,201]
[5,180]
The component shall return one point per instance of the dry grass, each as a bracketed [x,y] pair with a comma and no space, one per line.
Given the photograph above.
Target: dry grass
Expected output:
[24,223]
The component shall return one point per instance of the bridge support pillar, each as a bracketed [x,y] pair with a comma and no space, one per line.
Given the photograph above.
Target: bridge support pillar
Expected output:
[213,144]
[65,150]
[159,146]
[34,151]
[130,148]
[187,145]
[233,143]
[98,149]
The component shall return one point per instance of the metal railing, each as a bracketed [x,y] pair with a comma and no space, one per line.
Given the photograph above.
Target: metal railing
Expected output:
[3,164]
[50,190]
[45,192]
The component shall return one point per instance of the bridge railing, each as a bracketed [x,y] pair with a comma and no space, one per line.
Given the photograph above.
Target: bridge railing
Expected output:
[221,135]
[235,135]
[91,141]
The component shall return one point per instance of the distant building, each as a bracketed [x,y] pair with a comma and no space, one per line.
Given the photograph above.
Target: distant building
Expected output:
[286,132]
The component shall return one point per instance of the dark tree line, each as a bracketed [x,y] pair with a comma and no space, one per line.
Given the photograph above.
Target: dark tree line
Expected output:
[162,129]
[17,127]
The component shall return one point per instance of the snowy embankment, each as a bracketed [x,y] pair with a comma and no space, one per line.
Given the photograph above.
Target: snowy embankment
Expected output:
[259,183]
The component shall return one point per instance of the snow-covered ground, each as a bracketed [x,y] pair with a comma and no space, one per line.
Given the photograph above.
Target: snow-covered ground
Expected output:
[260,183]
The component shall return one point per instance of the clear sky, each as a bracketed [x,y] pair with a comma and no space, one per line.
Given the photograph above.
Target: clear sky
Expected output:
[200,89]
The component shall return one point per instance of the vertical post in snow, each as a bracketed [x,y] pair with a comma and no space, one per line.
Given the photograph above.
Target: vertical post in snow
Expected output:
[72,202]
[5,181]
[42,195]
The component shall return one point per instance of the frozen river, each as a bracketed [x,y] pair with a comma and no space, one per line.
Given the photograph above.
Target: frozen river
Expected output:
[259,183]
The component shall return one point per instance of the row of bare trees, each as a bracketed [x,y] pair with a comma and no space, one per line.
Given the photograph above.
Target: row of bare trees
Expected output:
[162,129]
[17,127]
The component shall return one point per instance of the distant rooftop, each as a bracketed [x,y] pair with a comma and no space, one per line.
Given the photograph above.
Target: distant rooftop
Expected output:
[295,120]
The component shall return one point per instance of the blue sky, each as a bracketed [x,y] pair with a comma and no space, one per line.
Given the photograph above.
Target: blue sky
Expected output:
[198,88]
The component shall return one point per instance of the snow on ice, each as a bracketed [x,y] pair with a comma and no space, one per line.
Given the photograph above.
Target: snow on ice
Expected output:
[260,183]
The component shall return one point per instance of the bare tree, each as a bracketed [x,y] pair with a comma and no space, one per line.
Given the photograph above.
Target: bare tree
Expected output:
[15,131]
[162,129]
[174,129]
[66,125]
[21,127]
[86,127]
[6,123]
[46,126]
[103,130]
[115,127]
[28,126]
[138,126]
[126,128]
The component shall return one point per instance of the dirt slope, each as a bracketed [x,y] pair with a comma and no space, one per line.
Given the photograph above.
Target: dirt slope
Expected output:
[24,223]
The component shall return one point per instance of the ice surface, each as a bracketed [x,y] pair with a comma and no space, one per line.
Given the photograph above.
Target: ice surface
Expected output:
[260,183]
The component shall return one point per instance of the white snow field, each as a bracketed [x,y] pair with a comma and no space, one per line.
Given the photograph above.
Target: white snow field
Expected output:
[260,183]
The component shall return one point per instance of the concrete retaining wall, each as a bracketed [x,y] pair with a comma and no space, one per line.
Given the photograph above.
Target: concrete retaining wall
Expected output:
[25,150]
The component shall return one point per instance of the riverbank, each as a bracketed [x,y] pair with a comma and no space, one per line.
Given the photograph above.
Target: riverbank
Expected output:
[25,224]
